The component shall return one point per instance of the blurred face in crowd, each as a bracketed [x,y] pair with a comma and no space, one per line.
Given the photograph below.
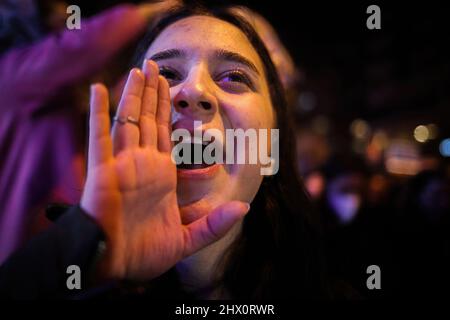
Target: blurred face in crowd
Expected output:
[315,184]
[215,77]
[345,196]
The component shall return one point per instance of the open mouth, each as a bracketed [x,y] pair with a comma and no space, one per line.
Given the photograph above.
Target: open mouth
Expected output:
[196,159]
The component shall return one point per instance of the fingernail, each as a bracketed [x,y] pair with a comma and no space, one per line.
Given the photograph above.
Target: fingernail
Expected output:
[136,73]
[147,67]
[145,63]
[136,70]
[92,88]
[248,206]
[155,65]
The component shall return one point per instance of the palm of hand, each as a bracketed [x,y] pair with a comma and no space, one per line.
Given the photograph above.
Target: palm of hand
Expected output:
[146,219]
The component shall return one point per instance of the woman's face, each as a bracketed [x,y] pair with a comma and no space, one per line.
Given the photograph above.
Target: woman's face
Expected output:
[215,77]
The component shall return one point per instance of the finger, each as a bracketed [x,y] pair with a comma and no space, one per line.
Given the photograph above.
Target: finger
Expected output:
[194,211]
[163,116]
[147,121]
[100,143]
[126,135]
[213,226]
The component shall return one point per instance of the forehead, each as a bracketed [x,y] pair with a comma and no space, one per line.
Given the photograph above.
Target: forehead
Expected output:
[203,34]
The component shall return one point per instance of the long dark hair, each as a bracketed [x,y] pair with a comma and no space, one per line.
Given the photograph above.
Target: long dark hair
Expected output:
[277,253]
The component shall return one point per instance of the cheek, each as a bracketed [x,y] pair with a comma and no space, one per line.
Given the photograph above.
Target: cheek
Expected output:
[251,112]
[247,112]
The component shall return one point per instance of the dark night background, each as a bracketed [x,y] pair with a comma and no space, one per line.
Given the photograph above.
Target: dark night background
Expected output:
[395,77]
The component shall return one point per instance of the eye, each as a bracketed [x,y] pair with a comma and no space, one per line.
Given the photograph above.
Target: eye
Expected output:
[235,78]
[172,76]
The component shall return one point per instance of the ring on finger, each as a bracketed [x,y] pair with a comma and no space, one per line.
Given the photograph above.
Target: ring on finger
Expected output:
[125,120]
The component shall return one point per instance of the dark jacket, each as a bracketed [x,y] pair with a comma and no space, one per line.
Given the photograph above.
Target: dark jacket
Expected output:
[39,269]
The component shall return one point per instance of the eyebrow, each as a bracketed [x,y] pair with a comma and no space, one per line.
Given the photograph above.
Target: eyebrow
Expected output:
[168,54]
[220,54]
[236,57]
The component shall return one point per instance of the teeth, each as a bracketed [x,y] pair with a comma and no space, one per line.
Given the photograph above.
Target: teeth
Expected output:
[195,140]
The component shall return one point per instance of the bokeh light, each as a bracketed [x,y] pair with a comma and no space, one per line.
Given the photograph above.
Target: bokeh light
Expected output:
[444,147]
[360,129]
[421,133]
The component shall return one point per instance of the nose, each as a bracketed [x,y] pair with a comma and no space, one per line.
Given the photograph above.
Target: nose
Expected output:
[196,99]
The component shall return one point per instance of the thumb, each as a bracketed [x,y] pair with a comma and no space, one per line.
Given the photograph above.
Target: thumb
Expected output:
[213,226]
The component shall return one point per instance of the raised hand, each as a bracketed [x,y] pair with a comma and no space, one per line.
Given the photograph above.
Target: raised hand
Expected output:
[131,183]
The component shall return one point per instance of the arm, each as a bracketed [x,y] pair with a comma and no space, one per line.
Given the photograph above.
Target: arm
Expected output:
[31,75]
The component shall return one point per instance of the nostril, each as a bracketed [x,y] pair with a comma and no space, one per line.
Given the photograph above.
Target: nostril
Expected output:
[183,104]
[205,105]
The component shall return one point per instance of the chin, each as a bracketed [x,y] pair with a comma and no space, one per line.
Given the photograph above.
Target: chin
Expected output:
[198,184]
[201,191]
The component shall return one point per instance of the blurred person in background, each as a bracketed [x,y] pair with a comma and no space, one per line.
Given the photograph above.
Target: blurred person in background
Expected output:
[346,189]
[356,233]
[315,184]
[313,150]
[42,128]
[422,242]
